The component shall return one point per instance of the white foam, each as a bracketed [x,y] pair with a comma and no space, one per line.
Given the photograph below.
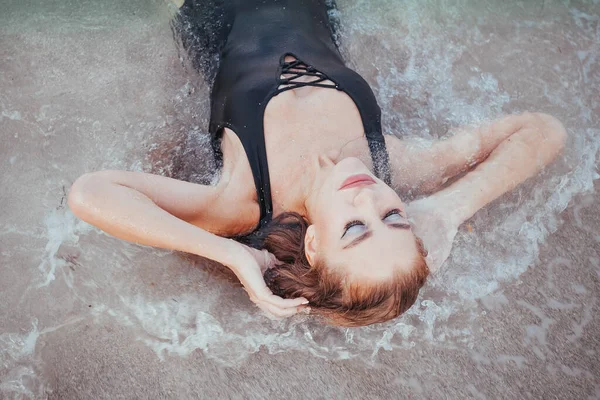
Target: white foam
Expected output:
[16,357]
[506,239]
[61,227]
[13,115]
[520,226]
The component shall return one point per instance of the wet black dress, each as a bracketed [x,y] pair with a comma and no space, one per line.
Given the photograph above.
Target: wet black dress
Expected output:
[240,45]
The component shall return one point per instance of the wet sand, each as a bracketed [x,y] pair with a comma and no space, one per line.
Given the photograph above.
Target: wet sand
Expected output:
[95,85]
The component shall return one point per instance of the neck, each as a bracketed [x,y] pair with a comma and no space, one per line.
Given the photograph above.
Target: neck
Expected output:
[319,167]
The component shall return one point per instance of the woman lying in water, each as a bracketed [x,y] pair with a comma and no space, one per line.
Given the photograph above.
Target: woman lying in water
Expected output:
[308,210]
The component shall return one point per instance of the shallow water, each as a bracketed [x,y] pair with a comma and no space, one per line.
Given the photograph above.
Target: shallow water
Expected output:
[93,85]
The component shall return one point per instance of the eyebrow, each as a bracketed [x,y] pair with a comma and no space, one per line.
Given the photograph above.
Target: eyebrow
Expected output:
[368,234]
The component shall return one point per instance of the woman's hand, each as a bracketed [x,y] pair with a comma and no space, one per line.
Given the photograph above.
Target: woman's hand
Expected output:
[436,228]
[250,272]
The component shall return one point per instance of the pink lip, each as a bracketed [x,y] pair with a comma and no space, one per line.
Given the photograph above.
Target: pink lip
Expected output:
[357,180]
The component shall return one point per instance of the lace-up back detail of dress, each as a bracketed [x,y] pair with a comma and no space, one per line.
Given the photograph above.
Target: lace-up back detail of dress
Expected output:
[267,47]
[296,74]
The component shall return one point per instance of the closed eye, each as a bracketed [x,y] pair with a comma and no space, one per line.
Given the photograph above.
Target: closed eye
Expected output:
[393,215]
[393,219]
[358,227]
[355,226]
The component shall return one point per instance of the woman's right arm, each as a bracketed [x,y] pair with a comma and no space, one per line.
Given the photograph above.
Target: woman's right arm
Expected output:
[151,210]
[156,211]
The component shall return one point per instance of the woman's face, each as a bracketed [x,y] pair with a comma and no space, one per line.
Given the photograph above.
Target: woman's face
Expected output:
[358,224]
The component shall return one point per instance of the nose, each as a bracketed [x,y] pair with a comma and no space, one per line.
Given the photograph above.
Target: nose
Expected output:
[364,197]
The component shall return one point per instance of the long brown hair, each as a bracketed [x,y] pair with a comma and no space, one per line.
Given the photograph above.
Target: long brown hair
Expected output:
[353,304]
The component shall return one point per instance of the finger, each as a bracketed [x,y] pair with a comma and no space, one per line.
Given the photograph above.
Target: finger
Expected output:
[274,261]
[265,295]
[284,303]
[266,260]
[269,314]
[282,312]
[270,261]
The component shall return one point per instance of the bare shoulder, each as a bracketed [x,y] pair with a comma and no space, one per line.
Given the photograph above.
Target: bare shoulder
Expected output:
[234,209]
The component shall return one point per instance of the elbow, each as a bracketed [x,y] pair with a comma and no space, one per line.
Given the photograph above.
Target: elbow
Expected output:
[554,130]
[551,130]
[84,193]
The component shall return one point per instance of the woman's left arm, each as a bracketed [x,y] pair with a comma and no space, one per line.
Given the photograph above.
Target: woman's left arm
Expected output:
[532,141]
[423,168]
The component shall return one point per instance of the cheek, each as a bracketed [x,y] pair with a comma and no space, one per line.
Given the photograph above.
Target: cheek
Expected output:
[326,213]
[329,226]
[330,201]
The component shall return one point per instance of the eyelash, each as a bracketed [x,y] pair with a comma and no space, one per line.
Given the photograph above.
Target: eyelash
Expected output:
[357,222]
